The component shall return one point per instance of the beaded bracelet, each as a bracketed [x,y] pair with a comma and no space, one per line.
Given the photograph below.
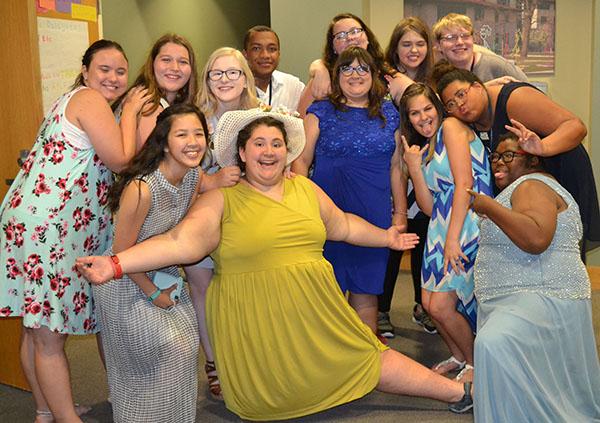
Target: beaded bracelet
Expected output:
[116,265]
[154,295]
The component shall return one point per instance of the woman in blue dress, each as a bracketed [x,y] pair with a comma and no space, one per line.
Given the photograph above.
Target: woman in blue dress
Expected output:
[455,160]
[352,138]
[535,350]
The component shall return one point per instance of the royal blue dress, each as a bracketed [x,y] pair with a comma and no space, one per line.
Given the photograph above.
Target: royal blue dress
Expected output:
[352,165]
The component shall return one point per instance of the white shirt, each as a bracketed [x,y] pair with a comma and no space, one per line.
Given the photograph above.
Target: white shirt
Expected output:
[284,90]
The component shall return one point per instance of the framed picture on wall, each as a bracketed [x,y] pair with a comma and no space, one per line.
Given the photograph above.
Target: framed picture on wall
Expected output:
[521,31]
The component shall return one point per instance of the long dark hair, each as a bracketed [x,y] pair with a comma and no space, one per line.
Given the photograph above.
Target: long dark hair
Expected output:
[408,130]
[415,24]
[88,56]
[246,132]
[377,91]
[330,56]
[152,153]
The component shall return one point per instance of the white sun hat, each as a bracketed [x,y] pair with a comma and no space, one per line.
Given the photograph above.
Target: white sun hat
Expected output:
[231,123]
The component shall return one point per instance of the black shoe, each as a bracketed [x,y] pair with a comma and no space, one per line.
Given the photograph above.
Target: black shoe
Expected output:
[465,403]
[421,318]
[384,326]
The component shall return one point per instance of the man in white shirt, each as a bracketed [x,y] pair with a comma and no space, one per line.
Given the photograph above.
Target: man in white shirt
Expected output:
[274,88]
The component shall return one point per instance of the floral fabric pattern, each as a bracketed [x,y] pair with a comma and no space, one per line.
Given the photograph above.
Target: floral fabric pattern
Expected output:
[54,212]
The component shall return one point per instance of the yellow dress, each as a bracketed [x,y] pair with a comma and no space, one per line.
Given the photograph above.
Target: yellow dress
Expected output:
[286,342]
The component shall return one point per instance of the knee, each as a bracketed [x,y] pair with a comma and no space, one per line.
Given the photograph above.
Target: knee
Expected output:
[440,310]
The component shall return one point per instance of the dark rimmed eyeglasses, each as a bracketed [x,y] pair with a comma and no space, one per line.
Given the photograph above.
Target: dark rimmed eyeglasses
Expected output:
[343,35]
[232,74]
[506,156]
[348,70]
[460,95]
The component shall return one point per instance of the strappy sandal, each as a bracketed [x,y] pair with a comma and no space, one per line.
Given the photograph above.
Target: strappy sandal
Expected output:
[463,373]
[214,385]
[452,363]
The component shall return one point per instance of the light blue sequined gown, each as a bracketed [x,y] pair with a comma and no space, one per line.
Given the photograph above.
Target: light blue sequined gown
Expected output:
[535,352]
[440,181]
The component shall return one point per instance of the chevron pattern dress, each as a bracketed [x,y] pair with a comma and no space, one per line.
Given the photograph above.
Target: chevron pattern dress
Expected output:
[441,184]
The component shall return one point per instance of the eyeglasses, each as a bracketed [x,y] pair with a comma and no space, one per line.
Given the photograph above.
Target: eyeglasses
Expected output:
[461,95]
[507,156]
[343,35]
[453,38]
[232,74]
[348,70]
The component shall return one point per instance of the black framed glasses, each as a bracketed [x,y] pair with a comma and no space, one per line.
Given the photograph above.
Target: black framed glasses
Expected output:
[232,74]
[507,156]
[348,70]
[343,35]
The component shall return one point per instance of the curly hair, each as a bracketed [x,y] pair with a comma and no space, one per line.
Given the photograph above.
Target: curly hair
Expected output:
[152,153]
[330,56]
[377,90]
[391,53]
[408,130]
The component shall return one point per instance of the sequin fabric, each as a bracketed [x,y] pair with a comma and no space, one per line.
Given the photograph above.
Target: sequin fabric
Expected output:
[503,268]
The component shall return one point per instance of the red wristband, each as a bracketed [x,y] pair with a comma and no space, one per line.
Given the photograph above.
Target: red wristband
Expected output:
[116,265]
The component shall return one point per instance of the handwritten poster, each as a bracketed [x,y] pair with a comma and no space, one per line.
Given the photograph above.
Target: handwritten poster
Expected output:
[62,44]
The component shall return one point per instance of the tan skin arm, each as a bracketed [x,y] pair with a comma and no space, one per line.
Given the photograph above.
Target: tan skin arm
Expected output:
[354,230]
[317,88]
[196,236]
[456,139]
[114,143]
[531,223]
[134,205]
[301,165]
[559,129]
[146,125]
[399,185]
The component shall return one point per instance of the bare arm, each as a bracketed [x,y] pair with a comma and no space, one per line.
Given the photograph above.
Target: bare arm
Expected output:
[559,129]
[352,229]
[412,157]
[399,185]
[531,223]
[301,165]
[146,125]
[397,84]
[456,139]
[134,205]
[225,177]
[114,144]
[193,238]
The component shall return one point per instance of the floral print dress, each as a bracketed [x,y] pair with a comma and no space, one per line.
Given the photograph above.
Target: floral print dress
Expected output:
[53,213]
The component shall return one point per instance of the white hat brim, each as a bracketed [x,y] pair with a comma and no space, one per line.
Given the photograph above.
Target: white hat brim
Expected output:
[231,123]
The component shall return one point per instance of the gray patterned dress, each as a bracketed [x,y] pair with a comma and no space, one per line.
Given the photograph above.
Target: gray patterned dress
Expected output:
[151,353]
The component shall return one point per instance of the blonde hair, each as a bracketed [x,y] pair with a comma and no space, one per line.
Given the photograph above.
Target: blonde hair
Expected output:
[451,20]
[206,100]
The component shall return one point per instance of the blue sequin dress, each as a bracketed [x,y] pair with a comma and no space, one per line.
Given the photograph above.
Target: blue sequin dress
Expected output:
[440,181]
[535,350]
[352,165]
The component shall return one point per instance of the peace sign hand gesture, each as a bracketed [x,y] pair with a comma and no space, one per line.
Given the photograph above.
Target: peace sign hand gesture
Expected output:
[528,140]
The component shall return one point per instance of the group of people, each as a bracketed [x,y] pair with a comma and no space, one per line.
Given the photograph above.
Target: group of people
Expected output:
[295,227]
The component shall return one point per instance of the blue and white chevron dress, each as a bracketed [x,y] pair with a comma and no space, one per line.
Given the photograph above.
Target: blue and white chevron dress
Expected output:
[441,184]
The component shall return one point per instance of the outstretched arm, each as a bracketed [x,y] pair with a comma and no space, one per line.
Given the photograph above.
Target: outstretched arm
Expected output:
[194,237]
[531,223]
[355,230]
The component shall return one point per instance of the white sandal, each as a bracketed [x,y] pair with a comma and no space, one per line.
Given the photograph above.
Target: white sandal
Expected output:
[460,365]
[463,372]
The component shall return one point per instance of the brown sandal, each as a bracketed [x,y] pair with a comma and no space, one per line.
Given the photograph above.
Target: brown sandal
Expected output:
[214,385]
